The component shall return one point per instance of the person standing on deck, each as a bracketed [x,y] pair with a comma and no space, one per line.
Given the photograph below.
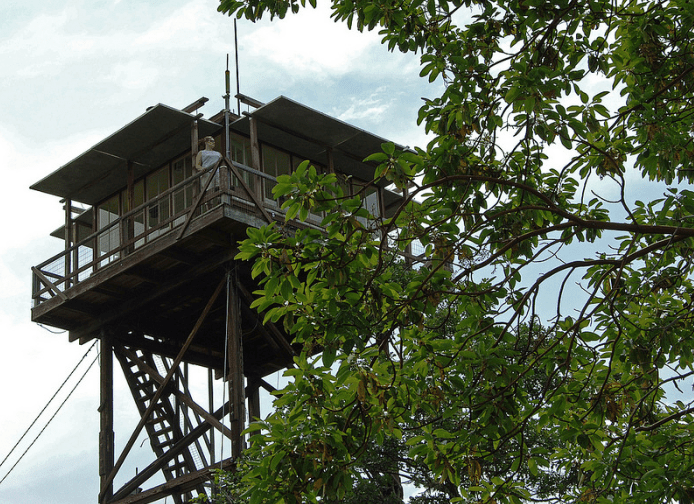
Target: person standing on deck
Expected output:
[207,158]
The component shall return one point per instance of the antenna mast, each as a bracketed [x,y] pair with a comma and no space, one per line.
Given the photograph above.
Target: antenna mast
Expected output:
[226,111]
[238,87]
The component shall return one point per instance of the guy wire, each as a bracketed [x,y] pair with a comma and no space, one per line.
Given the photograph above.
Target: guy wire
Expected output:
[52,417]
[47,404]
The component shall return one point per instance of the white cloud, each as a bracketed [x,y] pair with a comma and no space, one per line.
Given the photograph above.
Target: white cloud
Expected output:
[370,108]
[132,75]
[308,44]
[183,28]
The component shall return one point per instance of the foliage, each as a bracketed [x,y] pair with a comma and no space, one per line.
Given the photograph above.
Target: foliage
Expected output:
[553,191]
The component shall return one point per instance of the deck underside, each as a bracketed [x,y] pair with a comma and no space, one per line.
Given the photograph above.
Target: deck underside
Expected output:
[152,299]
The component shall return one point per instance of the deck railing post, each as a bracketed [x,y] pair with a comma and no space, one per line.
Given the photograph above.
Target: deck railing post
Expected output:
[256,157]
[225,183]
[68,237]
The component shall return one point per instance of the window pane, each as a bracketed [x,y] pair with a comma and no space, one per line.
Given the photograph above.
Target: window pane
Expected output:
[275,163]
[139,196]
[369,198]
[109,240]
[157,211]
[240,150]
[182,169]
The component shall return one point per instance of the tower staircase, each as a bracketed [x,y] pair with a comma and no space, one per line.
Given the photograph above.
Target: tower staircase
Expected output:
[170,420]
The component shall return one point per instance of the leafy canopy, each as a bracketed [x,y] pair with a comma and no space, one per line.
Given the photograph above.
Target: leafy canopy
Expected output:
[556,228]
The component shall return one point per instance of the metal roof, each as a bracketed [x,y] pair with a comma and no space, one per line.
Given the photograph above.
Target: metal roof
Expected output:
[296,128]
[158,135]
[162,133]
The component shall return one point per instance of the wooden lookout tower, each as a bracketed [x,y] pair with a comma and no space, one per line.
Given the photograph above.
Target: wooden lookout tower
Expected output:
[148,269]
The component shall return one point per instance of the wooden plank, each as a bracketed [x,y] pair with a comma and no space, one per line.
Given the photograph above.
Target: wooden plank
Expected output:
[178,485]
[49,284]
[182,257]
[112,291]
[216,237]
[194,142]
[267,386]
[197,354]
[145,274]
[131,304]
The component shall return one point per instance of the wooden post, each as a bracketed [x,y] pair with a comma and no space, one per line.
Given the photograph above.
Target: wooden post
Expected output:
[331,160]
[253,399]
[194,142]
[408,248]
[129,226]
[68,238]
[381,203]
[106,448]
[235,357]
[210,398]
[256,157]
[75,263]
[225,181]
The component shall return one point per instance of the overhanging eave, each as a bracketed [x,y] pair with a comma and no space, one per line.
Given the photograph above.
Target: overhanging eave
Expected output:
[149,141]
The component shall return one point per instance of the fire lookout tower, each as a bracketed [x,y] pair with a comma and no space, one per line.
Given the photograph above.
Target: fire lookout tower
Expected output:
[148,269]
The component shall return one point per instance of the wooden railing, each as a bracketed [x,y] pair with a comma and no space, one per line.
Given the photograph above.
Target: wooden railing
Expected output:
[171,211]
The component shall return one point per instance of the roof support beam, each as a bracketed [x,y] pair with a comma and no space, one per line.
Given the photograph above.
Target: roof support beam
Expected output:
[195,105]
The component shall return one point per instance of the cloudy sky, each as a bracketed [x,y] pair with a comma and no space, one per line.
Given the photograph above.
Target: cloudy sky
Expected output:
[75,71]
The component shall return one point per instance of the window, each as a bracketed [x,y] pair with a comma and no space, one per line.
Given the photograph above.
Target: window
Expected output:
[138,218]
[182,169]
[109,240]
[275,163]
[369,198]
[240,150]
[159,211]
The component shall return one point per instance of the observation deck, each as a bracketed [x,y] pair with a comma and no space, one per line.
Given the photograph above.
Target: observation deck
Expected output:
[151,238]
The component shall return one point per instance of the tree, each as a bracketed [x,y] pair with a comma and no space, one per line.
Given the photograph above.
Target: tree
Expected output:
[379,463]
[553,191]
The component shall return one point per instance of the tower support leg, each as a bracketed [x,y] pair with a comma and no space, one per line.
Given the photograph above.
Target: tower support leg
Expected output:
[235,372]
[106,448]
